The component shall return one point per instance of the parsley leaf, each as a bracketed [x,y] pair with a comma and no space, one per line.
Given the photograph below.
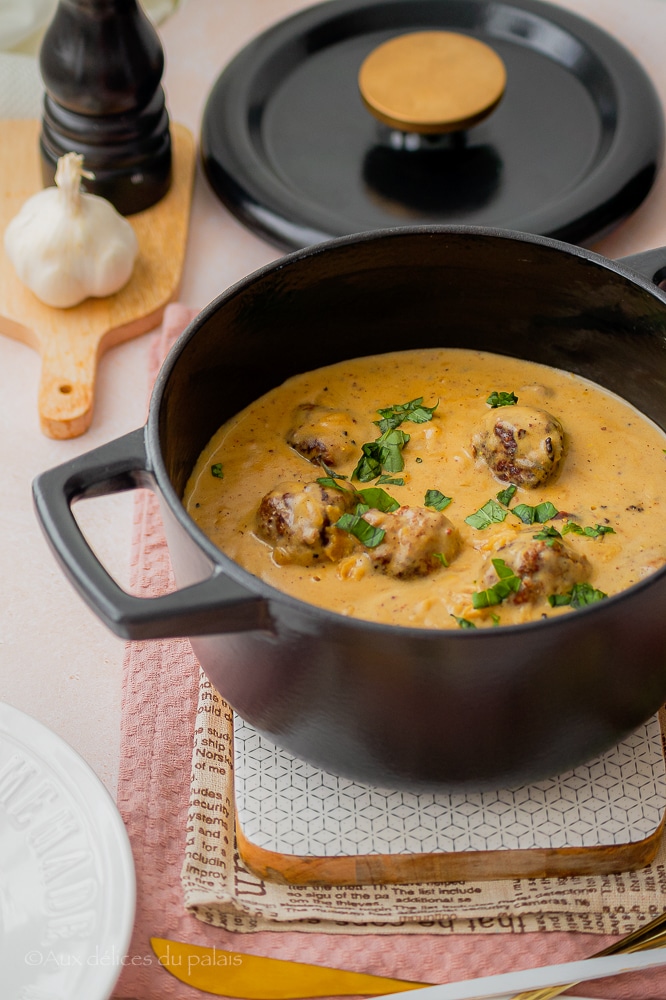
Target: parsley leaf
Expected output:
[490,513]
[436,499]
[217,470]
[375,496]
[549,534]
[463,622]
[414,410]
[384,453]
[390,481]
[369,465]
[391,444]
[366,533]
[332,484]
[579,595]
[506,496]
[539,514]
[329,472]
[596,532]
[507,584]
[501,399]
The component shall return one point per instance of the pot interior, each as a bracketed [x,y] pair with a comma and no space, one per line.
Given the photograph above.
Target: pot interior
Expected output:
[509,294]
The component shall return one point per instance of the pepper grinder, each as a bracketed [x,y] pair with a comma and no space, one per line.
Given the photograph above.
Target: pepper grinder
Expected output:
[101,62]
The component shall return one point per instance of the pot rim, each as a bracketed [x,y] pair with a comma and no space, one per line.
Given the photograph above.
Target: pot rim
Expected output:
[272,594]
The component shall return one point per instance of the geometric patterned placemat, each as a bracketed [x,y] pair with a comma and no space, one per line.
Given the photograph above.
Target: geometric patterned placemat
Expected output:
[289,807]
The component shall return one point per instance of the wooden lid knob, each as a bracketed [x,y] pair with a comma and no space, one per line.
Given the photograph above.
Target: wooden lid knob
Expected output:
[432,81]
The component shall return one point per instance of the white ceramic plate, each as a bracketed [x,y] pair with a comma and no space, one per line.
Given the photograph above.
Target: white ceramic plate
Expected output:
[67,883]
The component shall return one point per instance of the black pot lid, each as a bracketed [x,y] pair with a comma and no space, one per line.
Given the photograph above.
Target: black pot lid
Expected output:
[572,148]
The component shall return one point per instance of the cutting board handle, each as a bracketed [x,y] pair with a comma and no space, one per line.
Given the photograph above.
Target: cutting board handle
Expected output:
[66,387]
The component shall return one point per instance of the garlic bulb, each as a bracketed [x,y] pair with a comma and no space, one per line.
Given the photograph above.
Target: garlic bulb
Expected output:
[67,245]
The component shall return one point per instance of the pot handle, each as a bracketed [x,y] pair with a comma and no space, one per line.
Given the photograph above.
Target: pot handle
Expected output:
[650,264]
[215,605]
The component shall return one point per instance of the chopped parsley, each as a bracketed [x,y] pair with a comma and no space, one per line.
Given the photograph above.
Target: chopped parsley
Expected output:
[507,584]
[591,532]
[549,534]
[495,511]
[369,465]
[414,410]
[539,514]
[383,454]
[463,622]
[217,470]
[579,595]
[366,533]
[391,444]
[436,499]
[330,473]
[496,399]
[506,496]
[441,557]
[375,496]
[490,513]
[332,484]
[382,457]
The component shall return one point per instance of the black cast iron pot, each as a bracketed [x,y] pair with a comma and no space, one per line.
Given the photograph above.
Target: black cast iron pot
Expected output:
[395,707]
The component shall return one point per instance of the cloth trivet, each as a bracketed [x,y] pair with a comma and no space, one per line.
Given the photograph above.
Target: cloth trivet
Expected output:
[159,705]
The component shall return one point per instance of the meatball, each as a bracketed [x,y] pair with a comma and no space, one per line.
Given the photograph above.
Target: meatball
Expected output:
[544,566]
[298,520]
[322,434]
[520,444]
[416,542]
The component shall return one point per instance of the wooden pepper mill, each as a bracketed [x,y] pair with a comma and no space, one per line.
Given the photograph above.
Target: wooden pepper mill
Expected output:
[101,63]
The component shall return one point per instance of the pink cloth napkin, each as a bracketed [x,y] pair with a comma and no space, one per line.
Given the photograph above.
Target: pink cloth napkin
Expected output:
[159,701]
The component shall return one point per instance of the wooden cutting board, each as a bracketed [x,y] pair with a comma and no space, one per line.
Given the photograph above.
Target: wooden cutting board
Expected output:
[71,341]
[300,826]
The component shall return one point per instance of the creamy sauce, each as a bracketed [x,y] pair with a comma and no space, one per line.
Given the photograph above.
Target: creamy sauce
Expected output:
[612,474]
